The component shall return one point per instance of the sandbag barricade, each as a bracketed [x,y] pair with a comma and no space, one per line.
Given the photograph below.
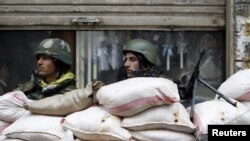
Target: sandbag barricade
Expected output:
[36,128]
[172,117]
[4,138]
[3,125]
[218,112]
[95,123]
[131,96]
[162,135]
[11,106]
[120,116]
[237,86]
[246,103]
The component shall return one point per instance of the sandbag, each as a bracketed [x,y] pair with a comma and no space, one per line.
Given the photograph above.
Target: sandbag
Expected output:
[131,96]
[77,139]
[237,86]
[218,112]
[246,103]
[4,138]
[68,136]
[172,117]
[3,125]
[162,135]
[64,104]
[95,124]
[11,106]
[33,127]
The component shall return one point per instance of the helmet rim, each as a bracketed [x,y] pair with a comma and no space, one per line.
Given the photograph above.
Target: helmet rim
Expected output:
[143,47]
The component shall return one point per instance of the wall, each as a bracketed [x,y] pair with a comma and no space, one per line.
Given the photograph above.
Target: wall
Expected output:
[112,14]
[242,34]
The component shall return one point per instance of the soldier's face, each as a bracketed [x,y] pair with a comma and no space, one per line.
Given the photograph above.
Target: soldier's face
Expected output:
[46,67]
[131,63]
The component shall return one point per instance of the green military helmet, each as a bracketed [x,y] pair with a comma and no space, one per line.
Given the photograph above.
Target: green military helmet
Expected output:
[55,48]
[144,47]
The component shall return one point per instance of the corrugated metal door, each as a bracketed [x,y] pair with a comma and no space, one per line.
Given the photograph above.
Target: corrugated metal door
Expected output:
[110,14]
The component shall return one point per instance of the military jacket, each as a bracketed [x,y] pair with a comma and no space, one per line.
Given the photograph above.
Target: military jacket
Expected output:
[34,90]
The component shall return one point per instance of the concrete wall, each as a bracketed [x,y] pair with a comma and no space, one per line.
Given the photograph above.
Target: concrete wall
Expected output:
[242,34]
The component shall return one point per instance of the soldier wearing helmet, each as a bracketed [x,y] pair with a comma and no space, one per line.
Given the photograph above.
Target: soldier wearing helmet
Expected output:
[53,75]
[140,59]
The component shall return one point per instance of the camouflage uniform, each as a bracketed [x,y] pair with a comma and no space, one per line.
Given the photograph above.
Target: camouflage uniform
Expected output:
[59,50]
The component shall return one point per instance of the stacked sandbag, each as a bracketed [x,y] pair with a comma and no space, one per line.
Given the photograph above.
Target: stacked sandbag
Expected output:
[160,123]
[134,95]
[133,106]
[11,109]
[34,127]
[166,122]
[119,104]
[64,104]
[3,125]
[237,86]
[171,117]
[161,135]
[4,138]
[95,124]
[246,103]
[38,126]
[218,112]
[11,106]
[149,108]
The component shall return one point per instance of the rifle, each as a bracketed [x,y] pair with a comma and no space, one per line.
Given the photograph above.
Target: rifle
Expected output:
[190,86]
[188,91]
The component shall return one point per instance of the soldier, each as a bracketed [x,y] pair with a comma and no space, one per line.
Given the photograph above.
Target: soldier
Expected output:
[140,59]
[53,75]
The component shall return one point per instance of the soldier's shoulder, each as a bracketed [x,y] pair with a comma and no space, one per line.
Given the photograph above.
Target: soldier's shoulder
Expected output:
[26,86]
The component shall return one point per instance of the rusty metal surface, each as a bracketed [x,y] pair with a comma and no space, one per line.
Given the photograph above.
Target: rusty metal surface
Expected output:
[118,2]
[242,35]
[112,15]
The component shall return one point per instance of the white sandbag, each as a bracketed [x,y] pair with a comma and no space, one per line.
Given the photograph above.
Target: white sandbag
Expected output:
[3,125]
[95,124]
[77,139]
[11,106]
[131,96]
[68,136]
[4,138]
[246,103]
[218,112]
[172,116]
[237,86]
[36,128]
[162,135]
